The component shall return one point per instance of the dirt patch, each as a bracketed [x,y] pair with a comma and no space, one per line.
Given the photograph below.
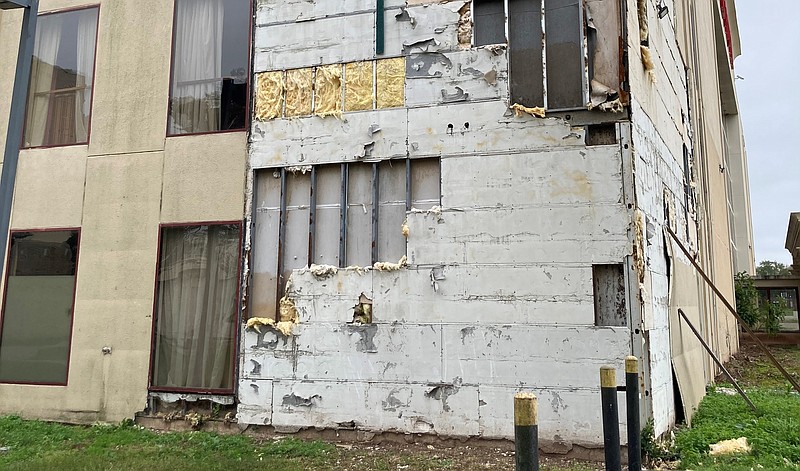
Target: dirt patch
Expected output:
[751,367]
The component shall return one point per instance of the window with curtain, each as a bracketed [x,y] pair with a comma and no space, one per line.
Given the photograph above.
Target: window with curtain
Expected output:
[37,309]
[196,308]
[210,63]
[62,72]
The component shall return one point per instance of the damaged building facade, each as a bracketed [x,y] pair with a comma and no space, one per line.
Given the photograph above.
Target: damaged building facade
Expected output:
[432,207]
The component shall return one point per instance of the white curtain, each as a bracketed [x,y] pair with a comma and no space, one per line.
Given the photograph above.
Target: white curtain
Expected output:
[197,66]
[87,32]
[47,42]
[197,307]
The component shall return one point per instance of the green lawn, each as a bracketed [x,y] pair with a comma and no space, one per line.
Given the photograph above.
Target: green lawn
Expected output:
[773,432]
[35,445]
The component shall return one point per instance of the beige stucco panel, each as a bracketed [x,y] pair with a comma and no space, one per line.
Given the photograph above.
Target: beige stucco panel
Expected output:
[10,23]
[116,270]
[122,202]
[49,188]
[129,109]
[204,178]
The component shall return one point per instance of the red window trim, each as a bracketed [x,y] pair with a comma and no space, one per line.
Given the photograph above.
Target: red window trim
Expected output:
[72,310]
[94,76]
[236,346]
[249,74]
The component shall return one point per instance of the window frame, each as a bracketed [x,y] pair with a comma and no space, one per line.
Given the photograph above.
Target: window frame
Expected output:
[585,56]
[72,308]
[94,76]
[238,320]
[248,74]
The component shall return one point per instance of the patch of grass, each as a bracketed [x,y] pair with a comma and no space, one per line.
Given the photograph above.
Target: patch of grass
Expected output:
[773,433]
[35,445]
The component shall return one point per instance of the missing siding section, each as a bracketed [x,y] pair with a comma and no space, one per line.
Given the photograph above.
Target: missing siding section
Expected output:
[601,134]
[609,295]
[360,86]
[328,217]
[299,95]
[269,96]
[390,82]
[328,91]
[525,52]
[564,55]
[490,27]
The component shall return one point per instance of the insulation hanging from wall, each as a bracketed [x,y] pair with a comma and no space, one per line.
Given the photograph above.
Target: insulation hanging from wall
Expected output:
[359,86]
[299,92]
[328,91]
[391,74]
[269,96]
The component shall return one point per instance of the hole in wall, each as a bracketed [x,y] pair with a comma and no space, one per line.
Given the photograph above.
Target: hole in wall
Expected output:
[362,312]
[601,134]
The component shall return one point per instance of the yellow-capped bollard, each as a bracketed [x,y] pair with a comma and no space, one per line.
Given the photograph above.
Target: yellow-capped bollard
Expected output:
[608,394]
[526,432]
[634,424]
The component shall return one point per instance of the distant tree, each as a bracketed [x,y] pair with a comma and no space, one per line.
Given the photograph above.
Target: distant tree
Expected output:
[746,299]
[771,268]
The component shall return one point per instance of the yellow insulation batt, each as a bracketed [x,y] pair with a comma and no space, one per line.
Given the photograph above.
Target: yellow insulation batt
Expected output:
[328,91]
[359,91]
[269,96]
[299,92]
[519,110]
[391,82]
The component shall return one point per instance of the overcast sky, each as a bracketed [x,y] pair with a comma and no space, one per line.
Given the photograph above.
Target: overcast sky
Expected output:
[768,104]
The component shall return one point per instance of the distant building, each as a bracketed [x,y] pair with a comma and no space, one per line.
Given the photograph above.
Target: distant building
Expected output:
[407,217]
[786,287]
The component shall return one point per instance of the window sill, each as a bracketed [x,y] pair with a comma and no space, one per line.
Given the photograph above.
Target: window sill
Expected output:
[226,131]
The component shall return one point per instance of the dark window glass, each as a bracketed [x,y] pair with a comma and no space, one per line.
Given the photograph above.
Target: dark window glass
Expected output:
[196,307]
[564,45]
[37,312]
[525,52]
[62,71]
[489,18]
[210,61]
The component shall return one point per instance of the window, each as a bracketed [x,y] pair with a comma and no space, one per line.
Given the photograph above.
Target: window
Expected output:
[554,52]
[340,214]
[196,308]
[37,308]
[62,71]
[787,296]
[210,66]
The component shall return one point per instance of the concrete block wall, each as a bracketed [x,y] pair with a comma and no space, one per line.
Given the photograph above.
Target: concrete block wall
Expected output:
[498,293]
[659,129]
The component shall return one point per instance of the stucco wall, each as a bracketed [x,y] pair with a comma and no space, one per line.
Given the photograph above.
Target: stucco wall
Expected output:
[117,190]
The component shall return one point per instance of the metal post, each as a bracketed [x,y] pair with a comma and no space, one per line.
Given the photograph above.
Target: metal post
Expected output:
[728,305]
[379,26]
[526,432]
[16,116]
[608,394]
[634,425]
[717,361]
